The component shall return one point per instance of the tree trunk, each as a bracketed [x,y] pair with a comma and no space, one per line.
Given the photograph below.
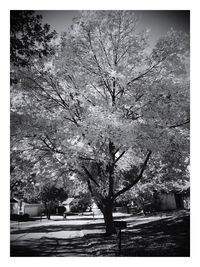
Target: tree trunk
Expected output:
[47,211]
[108,217]
[48,215]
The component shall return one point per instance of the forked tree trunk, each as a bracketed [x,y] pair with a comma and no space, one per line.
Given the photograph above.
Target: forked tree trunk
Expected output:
[108,217]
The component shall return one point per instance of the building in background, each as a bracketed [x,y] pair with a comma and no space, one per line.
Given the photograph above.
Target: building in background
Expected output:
[18,206]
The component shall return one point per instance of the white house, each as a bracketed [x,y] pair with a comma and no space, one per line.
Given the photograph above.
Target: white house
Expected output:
[95,209]
[68,203]
[18,206]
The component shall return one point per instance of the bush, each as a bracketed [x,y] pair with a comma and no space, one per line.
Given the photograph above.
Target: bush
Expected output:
[26,217]
[76,206]
[61,210]
[14,217]
[79,205]
[19,217]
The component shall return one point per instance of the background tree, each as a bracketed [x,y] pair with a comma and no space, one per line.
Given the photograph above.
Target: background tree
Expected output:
[81,203]
[168,172]
[28,37]
[50,196]
[105,107]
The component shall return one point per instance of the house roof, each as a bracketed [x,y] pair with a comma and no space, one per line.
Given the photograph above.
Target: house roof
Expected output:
[14,200]
[17,200]
[184,190]
[68,201]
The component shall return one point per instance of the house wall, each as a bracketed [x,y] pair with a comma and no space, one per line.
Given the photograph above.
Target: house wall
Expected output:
[14,208]
[32,209]
[67,208]
[95,209]
[122,209]
[68,203]
[167,201]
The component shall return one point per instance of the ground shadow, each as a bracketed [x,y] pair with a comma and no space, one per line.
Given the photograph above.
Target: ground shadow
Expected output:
[165,237]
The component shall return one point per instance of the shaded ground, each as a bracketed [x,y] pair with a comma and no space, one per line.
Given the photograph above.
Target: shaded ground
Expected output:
[144,236]
[166,237]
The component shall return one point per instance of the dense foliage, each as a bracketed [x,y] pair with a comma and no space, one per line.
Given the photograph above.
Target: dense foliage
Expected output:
[28,37]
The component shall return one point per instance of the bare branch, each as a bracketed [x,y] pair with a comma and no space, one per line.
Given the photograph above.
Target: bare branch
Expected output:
[90,175]
[147,71]
[136,180]
[180,124]
[121,155]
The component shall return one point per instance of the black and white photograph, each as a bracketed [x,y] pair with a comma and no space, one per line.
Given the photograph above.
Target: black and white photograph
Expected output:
[99,133]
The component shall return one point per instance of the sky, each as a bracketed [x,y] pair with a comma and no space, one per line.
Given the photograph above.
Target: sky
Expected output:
[158,21]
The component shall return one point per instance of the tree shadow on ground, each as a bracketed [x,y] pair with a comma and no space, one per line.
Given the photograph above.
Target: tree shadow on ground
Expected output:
[164,237]
[97,245]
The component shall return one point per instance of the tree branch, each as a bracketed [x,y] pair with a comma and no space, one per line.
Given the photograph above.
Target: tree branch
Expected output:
[90,176]
[180,124]
[120,156]
[93,195]
[83,158]
[136,180]
[147,71]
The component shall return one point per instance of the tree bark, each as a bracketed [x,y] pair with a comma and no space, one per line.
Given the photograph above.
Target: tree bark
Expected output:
[108,217]
[48,213]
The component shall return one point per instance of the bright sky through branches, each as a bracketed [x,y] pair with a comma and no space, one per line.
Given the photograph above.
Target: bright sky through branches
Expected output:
[158,21]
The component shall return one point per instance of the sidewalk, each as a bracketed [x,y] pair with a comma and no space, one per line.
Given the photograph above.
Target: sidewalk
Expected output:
[73,226]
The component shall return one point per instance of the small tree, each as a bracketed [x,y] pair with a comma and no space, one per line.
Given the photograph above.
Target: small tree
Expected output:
[50,196]
[81,203]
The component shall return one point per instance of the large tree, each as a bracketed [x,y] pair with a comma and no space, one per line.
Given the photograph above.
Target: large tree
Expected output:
[106,104]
